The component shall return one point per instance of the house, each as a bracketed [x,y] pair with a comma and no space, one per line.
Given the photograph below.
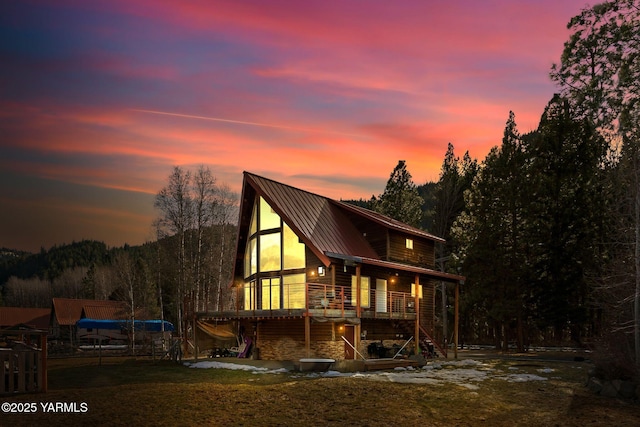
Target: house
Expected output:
[321,278]
[67,311]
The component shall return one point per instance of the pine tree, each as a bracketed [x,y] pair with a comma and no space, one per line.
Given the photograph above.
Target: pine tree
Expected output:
[400,199]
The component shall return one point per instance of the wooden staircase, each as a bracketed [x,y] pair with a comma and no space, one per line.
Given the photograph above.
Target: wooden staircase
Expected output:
[429,347]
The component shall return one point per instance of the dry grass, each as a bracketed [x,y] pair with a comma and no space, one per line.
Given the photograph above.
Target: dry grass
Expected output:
[141,392]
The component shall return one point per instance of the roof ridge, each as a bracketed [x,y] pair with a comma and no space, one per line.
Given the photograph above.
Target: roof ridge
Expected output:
[289,186]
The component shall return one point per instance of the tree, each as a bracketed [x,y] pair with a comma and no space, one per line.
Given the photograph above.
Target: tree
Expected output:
[194,234]
[133,286]
[400,199]
[599,72]
[176,218]
[565,216]
[456,177]
[492,248]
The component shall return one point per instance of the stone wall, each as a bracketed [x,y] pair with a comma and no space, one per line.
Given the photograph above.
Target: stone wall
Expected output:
[287,348]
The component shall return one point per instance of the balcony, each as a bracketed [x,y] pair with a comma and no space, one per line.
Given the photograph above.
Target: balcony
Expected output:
[318,300]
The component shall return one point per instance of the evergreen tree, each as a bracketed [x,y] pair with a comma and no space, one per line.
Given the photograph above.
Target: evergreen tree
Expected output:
[492,247]
[565,216]
[599,72]
[400,199]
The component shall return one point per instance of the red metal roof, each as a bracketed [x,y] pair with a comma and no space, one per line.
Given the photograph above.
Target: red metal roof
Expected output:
[317,220]
[324,225]
[102,312]
[34,317]
[68,310]
[390,222]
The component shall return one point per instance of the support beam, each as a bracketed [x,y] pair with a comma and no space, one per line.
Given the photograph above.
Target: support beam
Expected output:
[416,333]
[307,335]
[456,321]
[358,291]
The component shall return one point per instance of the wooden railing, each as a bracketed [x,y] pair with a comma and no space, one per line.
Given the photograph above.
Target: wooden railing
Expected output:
[22,371]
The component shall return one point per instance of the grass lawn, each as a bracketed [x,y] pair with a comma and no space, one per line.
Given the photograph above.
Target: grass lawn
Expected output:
[143,392]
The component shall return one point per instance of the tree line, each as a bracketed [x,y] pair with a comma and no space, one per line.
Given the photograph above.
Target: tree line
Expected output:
[547,228]
[189,265]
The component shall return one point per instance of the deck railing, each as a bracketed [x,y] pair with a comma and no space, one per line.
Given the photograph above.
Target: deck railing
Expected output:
[336,301]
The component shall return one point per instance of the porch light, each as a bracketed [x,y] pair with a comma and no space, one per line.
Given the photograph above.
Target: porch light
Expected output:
[321,270]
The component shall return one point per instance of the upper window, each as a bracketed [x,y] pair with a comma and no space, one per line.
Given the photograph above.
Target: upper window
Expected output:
[268,217]
[270,252]
[271,244]
[409,243]
[293,249]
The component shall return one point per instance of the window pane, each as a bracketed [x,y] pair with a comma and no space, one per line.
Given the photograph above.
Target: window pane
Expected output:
[364,291]
[254,220]
[250,295]
[270,252]
[271,293]
[268,218]
[293,250]
[293,288]
[250,258]
[413,290]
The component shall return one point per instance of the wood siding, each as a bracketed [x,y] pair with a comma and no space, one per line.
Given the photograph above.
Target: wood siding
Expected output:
[422,254]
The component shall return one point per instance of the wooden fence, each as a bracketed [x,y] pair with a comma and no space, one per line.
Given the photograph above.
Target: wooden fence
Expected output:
[23,363]
[22,371]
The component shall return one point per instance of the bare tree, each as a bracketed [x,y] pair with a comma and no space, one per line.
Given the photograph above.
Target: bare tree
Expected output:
[32,292]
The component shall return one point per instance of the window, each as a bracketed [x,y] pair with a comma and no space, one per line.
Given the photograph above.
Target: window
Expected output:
[364,291]
[253,227]
[270,252]
[413,290]
[271,293]
[251,258]
[250,295]
[294,256]
[294,290]
[409,243]
[268,218]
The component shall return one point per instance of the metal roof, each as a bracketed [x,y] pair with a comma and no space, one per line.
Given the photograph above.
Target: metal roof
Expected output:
[389,222]
[319,221]
[35,317]
[68,310]
[106,312]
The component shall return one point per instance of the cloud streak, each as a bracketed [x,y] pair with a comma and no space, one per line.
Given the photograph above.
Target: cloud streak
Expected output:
[107,96]
[242,122]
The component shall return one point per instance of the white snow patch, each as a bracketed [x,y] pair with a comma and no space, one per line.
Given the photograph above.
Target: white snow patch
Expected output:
[521,378]
[466,373]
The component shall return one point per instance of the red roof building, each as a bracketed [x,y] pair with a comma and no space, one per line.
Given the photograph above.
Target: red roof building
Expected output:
[37,318]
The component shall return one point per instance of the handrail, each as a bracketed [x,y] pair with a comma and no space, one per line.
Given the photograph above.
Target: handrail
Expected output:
[434,342]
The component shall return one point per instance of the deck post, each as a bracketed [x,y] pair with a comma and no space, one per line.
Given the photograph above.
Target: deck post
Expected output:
[417,308]
[358,284]
[307,335]
[456,321]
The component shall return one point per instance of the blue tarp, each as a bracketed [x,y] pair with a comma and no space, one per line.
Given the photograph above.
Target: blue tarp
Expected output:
[140,325]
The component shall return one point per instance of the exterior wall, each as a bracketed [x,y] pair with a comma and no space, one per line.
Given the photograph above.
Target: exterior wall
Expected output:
[422,254]
[283,339]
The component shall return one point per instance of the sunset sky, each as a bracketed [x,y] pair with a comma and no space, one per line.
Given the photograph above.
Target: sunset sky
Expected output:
[100,99]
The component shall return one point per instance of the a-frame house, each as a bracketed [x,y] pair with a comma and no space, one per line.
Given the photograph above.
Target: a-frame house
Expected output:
[320,278]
